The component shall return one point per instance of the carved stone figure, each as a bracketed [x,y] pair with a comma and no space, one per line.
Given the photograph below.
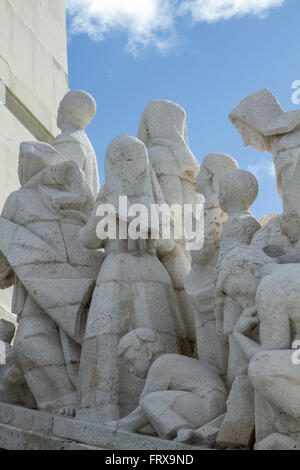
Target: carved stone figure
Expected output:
[200,284]
[240,272]
[180,394]
[265,126]
[273,371]
[163,129]
[75,113]
[52,273]
[238,190]
[133,288]
[13,387]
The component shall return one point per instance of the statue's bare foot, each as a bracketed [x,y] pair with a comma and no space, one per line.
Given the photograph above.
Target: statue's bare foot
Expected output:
[68,411]
[122,425]
[185,436]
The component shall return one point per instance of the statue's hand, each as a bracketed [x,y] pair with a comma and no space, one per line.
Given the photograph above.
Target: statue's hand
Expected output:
[247,321]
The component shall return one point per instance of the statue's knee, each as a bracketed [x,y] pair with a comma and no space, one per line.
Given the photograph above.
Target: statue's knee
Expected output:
[259,368]
[150,400]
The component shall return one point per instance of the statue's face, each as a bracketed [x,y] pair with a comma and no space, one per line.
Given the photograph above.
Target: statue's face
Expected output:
[138,361]
[204,181]
[251,137]
[241,285]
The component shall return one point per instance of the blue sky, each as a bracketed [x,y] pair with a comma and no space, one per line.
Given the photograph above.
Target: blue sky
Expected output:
[206,55]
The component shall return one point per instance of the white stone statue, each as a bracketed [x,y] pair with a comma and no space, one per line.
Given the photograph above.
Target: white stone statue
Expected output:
[240,272]
[273,372]
[238,191]
[53,273]
[75,113]
[265,126]
[133,289]
[200,284]
[180,394]
[13,387]
[163,129]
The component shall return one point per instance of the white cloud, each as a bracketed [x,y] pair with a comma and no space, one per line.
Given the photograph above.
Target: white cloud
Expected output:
[153,22]
[262,168]
[217,10]
[144,21]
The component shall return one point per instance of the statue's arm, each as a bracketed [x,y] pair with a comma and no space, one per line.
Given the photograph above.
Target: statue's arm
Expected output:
[247,322]
[158,379]
[88,234]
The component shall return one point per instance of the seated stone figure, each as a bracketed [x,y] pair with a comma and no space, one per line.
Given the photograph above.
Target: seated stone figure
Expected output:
[13,387]
[75,112]
[52,273]
[133,289]
[180,394]
[200,284]
[269,293]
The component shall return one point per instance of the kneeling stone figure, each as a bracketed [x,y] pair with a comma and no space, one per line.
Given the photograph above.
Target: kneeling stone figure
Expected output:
[181,393]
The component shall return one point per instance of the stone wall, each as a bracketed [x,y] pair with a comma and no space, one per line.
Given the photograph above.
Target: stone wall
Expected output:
[33,79]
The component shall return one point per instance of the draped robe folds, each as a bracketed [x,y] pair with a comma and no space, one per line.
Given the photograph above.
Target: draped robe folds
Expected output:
[54,274]
[133,290]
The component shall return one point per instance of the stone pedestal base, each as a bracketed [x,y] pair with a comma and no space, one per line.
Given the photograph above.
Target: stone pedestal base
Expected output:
[24,429]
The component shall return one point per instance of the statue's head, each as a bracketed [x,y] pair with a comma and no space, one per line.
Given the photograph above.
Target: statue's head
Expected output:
[240,273]
[139,349]
[213,167]
[7,331]
[76,110]
[126,156]
[252,137]
[162,119]
[35,157]
[238,190]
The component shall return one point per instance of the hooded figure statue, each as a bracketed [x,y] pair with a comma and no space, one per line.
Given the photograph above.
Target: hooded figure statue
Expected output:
[133,289]
[265,126]
[52,272]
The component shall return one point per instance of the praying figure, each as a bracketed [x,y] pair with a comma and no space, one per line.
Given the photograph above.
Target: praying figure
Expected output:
[75,113]
[133,289]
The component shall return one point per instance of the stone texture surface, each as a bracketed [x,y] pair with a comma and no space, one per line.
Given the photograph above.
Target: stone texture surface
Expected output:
[33,79]
[237,429]
[104,346]
[32,430]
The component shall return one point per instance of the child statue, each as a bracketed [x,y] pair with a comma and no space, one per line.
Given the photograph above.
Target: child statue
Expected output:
[238,191]
[75,113]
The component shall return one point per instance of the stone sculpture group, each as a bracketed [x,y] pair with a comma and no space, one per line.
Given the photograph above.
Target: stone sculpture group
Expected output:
[142,334]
